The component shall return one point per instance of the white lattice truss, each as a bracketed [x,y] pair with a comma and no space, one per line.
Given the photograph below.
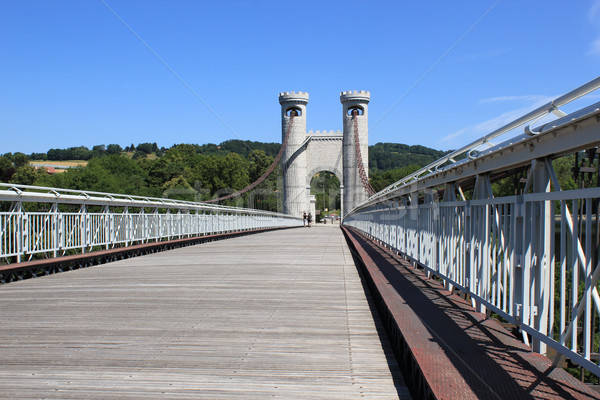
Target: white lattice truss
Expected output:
[530,258]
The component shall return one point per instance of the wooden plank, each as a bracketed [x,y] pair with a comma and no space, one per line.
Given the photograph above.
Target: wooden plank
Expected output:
[132,249]
[277,314]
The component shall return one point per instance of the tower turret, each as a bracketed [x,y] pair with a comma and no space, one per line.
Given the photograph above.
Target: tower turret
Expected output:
[293,120]
[355,106]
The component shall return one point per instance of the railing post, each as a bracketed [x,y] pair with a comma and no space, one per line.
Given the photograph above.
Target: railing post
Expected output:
[20,230]
[157,221]
[169,220]
[520,301]
[542,259]
[127,229]
[82,228]
[402,224]
[480,249]
[144,226]
[179,224]
[61,238]
[446,234]
[106,226]
[55,226]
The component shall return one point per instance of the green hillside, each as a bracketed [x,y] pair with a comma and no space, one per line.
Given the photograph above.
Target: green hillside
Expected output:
[189,171]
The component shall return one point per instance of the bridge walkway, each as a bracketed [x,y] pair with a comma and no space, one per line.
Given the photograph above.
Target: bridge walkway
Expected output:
[280,314]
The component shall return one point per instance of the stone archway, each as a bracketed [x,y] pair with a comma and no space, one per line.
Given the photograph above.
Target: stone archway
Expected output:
[333,151]
[324,153]
[325,193]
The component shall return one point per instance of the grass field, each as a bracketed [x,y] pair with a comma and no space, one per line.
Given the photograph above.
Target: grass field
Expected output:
[58,164]
[151,156]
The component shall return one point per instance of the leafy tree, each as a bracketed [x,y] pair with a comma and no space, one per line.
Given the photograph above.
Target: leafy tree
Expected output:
[112,173]
[186,150]
[209,148]
[139,154]
[72,153]
[57,154]
[233,172]
[166,168]
[144,163]
[564,173]
[382,179]
[145,147]
[202,173]
[161,151]
[259,162]
[79,153]
[26,175]
[38,156]
[20,159]
[7,169]
[113,149]
[178,188]
[386,156]
[245,147]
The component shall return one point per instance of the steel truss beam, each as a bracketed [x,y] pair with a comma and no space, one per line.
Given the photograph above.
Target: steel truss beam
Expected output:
[530,258]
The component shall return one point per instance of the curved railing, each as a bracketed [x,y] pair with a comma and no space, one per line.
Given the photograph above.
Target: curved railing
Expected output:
[51,222]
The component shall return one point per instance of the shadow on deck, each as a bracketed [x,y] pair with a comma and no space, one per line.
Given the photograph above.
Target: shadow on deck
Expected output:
[447,349]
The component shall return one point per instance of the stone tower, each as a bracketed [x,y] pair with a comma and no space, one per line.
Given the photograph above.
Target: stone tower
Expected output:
[356,111]
[308,153]
[293,112]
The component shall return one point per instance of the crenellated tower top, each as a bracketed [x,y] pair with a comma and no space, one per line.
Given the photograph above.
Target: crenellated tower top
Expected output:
[293,97]
[358,96]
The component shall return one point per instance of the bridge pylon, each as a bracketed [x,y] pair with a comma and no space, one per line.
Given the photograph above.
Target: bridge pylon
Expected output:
[355,147]
[293,160]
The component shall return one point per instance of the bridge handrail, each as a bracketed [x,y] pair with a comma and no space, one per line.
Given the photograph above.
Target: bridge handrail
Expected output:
[28,193]
[532,258]
[550,107]
[84,221]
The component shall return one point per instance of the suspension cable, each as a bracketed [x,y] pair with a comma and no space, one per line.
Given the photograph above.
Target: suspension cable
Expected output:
[361,168]
[266,173]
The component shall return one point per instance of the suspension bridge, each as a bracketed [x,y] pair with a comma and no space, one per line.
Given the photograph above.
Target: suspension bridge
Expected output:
[434,287]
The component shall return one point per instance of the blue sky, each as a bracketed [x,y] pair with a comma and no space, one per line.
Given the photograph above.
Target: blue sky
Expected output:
[441,73]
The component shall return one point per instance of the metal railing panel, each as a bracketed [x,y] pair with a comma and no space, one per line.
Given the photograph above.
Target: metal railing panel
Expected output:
[533,259]
[54,232]
[9,225]
[534,280]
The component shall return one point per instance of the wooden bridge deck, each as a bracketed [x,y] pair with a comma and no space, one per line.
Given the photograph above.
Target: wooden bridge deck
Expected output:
[280,314]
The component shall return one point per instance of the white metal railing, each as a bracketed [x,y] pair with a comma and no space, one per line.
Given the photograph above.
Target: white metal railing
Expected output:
[106,220]
[551,107]
[532,258]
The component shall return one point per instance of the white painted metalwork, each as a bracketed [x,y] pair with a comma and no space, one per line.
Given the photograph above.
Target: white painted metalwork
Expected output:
[530,258]
[441,165]
[86,221]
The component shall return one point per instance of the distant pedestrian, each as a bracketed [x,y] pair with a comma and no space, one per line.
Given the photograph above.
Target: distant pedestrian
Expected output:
[305,219]
[309,219]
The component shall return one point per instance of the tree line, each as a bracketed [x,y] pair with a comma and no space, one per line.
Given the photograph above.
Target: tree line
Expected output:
[192,171]
[242,147]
